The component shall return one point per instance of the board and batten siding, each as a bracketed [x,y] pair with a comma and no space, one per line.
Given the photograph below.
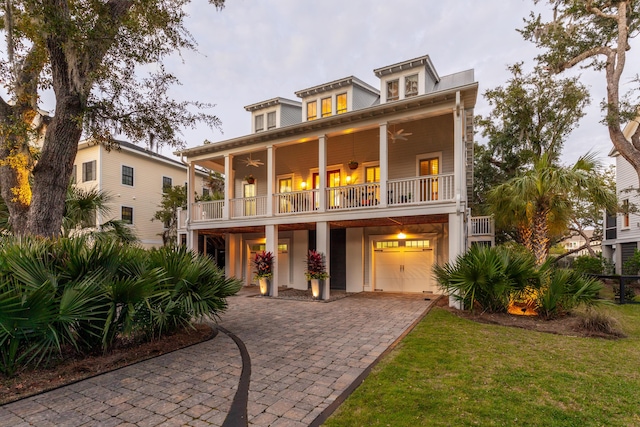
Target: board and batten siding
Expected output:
[627,178]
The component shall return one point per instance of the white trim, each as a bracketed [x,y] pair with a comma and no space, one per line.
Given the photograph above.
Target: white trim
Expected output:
[285,176]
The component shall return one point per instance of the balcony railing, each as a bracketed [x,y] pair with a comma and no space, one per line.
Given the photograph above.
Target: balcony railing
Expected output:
[481,226]
[203,211]
[249,207]
[408,191]
[422,189]
[296,202]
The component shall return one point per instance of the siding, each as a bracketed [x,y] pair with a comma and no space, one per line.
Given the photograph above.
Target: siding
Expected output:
[289,115]
[627,178]
[362,98]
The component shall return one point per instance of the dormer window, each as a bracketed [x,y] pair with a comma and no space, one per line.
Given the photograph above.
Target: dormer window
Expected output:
[411,85]
[312,110]
[271,120]
[392,90]
[341,103]
[326,107]
[260,123]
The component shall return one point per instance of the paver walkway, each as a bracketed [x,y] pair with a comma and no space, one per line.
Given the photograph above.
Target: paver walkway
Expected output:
[304,355]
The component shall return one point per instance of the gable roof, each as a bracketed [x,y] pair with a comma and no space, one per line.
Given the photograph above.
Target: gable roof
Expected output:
[422,61]
[271,102]
[336,84]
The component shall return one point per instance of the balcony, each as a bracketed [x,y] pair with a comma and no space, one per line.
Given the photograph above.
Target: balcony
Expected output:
[422,190]
[481,230]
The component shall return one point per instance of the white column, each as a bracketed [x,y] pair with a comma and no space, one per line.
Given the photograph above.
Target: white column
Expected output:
[384,165]
[192,236]
[228,186]
[271,245]
[322,172]
[323,244]
[271,178]
[456,245]
[459,167]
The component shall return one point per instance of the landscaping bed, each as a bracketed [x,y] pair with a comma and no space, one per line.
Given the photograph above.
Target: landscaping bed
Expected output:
[68,369]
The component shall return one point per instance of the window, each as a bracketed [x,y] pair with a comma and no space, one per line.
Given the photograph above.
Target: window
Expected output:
[341,103]
[326,107]
[625,213]
[372,174]
[126,214]
[392,90]
[429,186]
[411,86]
[271,120]
[205,192]
[260,123]
[312,110]
[127,175]
[167,183]
[89,171]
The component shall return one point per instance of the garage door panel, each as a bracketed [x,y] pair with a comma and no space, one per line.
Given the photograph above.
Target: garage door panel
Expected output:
[388,274]
[417,270]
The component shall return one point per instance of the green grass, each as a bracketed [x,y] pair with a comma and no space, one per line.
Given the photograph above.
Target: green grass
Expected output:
[453,372]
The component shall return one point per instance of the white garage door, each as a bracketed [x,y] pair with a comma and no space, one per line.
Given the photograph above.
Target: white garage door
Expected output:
[403,269]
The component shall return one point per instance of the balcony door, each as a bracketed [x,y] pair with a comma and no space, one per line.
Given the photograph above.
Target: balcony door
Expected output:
[333,180]
[249,194]
[429,186]
[285,185]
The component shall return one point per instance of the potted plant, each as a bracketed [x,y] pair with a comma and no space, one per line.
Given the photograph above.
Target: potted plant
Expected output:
[353,165]
[263,265]
[316,271]
[250,179]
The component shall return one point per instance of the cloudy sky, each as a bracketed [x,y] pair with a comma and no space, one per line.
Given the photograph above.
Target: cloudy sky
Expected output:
[254,50]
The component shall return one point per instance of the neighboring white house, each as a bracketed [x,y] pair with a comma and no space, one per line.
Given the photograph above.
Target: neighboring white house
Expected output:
[622,231]
[135,178]
[375,178]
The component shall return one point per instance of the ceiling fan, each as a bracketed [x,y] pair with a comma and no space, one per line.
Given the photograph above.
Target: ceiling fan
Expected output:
[250,161]
[399,135]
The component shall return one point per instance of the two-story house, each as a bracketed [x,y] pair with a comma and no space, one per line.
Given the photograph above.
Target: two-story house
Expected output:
[377,179]
[622,230]
[135,178]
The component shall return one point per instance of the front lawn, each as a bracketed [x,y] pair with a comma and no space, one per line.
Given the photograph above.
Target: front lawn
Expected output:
[454,372]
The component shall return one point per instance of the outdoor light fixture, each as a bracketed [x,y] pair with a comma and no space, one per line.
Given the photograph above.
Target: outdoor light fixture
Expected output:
[303,185]
[401,235]
[348,179]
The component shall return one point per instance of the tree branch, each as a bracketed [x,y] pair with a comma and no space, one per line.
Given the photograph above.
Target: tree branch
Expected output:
[600,50]
[596,11]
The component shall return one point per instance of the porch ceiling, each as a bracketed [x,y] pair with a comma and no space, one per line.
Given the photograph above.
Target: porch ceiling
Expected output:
[364,222]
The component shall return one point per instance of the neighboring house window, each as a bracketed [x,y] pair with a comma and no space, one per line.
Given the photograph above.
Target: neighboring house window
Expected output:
[326,107]
[411,86]
[205,192]
[167,183]
[89,171]
[126,214]
[341,103]
[260,123]
[127,175]
[312,110]
[625,212]
[271,120]
[392,90]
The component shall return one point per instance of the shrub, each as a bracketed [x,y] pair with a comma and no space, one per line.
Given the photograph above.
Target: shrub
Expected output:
[486,277]
[587,264]
[599,323]
[631,266]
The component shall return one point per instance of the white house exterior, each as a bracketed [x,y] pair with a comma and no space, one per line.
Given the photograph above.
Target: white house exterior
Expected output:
[622,231]
[381,223]
[135,178]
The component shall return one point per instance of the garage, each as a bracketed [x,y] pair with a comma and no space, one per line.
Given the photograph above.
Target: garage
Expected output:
[404,266]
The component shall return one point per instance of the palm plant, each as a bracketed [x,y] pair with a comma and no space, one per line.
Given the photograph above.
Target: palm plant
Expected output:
[540,200]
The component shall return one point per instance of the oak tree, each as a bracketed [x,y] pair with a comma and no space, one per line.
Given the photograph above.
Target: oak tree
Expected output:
[91,54]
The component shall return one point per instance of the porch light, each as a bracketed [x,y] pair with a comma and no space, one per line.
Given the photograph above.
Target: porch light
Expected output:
[348,179]
[401,235]
[303,185]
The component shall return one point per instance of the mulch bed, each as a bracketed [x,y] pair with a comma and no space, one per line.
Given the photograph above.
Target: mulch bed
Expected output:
[70,369]
[564,325]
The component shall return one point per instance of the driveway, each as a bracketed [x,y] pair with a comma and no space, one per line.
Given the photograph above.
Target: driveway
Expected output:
[301,360]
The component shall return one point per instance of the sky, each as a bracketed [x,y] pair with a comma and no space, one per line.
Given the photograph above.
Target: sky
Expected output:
[254,50]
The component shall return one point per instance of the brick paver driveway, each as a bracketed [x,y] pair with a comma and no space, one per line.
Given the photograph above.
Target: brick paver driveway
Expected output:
[304,355]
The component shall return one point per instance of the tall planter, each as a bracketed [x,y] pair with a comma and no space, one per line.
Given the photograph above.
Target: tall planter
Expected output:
[316,288]
[265,286]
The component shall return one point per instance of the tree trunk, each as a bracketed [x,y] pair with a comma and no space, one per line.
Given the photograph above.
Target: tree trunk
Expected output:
[540,238]
[17,211]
